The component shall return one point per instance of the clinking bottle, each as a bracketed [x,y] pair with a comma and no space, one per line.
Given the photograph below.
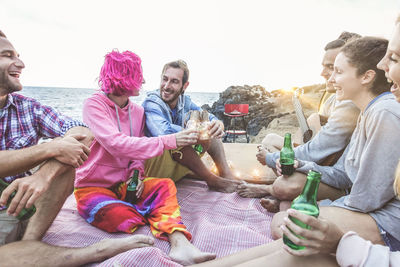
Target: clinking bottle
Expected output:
[25,213]
[306,203]
[204,124]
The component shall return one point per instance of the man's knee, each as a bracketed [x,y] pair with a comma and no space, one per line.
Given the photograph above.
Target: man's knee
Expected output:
[286,188]
[272,141]
[268,140]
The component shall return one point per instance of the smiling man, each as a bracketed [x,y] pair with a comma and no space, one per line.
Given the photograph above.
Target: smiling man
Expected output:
[166,110]
[23,121]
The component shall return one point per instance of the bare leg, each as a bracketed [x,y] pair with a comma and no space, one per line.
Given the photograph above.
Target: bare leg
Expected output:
[270,254]
[217,153]
[281,258]
[184,252]
[246,255]
[32,252]
[254,190]
[288,188]
[36,253]
[191,160]
[346,220]
[49,204]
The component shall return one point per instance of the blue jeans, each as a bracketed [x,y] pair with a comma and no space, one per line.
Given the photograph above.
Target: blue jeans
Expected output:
[389,240]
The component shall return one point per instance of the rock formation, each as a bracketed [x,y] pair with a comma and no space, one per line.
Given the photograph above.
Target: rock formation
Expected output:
[268,111]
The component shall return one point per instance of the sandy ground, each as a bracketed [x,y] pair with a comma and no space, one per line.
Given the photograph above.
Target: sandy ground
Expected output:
[242,157]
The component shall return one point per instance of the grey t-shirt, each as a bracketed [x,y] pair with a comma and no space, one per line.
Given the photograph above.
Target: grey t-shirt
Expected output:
[368,165]
[333,136]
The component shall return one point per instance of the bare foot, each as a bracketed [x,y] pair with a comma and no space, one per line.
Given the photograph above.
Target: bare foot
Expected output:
[270,203]
[223,185]
[227,174]
[184,252]
[107,248]
[253,190]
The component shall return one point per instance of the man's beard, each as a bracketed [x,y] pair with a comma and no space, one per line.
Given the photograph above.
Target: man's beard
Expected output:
[175,96]
[6,83]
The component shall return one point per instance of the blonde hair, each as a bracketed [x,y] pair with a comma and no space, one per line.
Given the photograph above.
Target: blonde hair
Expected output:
[396,184]
[398,19]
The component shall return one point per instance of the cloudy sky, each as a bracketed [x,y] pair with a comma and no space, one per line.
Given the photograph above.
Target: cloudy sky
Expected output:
[276,44]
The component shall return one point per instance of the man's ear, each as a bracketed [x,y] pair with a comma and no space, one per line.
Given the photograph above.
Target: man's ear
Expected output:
[184,87]
[368,77]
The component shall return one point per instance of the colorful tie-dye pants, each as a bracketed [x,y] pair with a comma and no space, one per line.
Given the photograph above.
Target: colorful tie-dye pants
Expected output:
[106,209]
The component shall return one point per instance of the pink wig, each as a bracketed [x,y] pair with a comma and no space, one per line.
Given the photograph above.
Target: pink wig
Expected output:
[121,73]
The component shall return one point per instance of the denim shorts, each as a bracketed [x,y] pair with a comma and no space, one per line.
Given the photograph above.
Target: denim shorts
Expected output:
[389,240]
[11,229]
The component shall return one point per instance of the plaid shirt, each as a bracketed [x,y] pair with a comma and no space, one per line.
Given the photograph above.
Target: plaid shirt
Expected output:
[23,121]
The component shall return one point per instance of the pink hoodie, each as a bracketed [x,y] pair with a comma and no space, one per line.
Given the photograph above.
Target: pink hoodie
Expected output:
[112,150]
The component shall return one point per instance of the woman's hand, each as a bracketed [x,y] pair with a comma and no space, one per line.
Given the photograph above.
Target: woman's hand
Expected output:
[279,168]
[139,188]
[261,155]
[186,137]
[323,237]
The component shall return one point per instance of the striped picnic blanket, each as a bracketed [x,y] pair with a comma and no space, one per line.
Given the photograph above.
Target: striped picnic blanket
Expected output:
[220,223]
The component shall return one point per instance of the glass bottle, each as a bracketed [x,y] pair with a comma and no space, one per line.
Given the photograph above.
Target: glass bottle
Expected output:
[132,188]
[204,124]
[287,156]
[25,213]
[198,148]
[194,120]
[306,203]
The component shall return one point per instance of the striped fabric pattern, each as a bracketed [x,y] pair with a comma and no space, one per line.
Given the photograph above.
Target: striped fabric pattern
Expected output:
[219,223]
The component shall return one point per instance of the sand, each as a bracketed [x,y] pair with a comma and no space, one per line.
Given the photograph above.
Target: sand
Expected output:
[242,157]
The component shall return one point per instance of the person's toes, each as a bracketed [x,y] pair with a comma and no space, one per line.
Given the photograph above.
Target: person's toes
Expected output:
[241,186]
[241,193]
[143,239]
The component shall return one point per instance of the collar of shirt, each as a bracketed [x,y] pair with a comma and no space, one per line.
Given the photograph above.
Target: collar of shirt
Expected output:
[376,98]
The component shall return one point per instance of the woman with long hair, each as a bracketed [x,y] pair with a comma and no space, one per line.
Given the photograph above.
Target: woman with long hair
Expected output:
[368,166]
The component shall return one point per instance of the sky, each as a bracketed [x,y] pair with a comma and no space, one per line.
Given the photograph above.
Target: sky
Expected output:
[275,44]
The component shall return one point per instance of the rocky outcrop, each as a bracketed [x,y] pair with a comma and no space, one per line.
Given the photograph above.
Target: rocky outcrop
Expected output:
[268,111]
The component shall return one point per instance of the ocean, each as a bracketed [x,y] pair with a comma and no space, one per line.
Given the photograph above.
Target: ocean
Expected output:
[69,101]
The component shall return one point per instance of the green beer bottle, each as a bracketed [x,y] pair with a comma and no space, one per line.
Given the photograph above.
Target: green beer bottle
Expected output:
[198,148]
[306,203]
[131,189]
[287,156]
[25,213]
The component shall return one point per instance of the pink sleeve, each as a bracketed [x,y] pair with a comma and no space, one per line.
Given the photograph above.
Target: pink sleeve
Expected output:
[118,144]
[352,250]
